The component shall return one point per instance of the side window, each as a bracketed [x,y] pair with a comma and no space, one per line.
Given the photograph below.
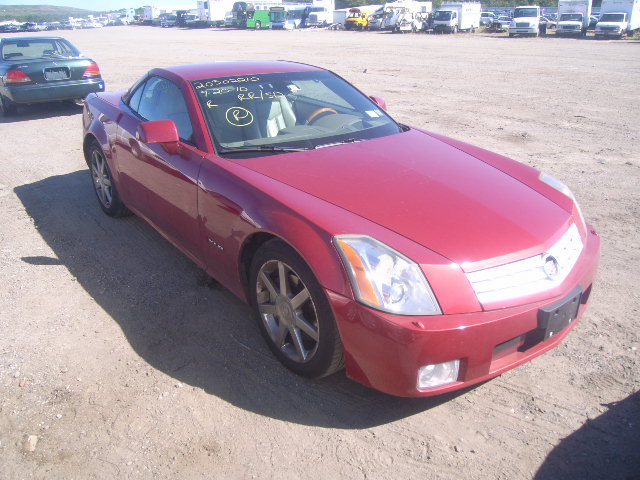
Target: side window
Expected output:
[134,100]
[161,99]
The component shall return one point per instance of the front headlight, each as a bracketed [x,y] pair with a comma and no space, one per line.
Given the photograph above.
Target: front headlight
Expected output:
[385,279]
[561,187]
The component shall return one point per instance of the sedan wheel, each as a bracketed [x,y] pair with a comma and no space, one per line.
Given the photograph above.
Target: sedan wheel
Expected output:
[103,184]
[293,314]
[6,106]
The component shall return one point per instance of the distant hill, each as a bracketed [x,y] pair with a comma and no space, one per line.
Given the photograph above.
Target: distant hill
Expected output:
[40,13]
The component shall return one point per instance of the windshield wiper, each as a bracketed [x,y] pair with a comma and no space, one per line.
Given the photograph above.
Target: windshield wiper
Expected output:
[341,142]
[264,148]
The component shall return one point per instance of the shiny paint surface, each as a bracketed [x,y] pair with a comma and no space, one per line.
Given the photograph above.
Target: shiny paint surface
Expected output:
[39,89]
[450,207]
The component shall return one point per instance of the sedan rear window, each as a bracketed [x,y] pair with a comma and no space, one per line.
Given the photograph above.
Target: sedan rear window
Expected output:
[31,49]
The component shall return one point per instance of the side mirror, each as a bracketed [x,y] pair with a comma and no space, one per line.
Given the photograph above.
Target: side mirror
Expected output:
[380,102]
[159,131]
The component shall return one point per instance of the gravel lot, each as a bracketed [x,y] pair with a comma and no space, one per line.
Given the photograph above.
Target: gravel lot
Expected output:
[117,359]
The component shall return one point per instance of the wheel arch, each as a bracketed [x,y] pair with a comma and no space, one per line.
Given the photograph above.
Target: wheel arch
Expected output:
[89,139]
[315,251]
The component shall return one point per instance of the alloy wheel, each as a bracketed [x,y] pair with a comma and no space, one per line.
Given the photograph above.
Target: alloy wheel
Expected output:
[287,311]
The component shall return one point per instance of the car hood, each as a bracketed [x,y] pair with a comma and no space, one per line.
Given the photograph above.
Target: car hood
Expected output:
[427,190]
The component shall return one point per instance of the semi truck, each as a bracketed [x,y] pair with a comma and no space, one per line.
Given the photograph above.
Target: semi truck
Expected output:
[618,18]
[526,21]
[457,17]
[573,17]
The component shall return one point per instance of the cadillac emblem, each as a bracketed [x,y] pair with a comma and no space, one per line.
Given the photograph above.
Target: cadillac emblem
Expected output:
[550,266]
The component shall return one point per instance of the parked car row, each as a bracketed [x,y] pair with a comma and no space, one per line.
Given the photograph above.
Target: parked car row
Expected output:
[50,26]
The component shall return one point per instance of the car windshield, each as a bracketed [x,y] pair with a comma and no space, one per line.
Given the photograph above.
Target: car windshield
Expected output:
[276,111]
[525,12]
[612,17]
[31,49]
[571,17]
[442,15]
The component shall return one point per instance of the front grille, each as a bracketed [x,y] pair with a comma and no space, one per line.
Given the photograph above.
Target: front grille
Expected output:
[528,276]
[522,25]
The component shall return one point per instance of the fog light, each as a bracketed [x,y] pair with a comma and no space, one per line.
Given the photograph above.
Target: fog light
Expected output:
[430,376]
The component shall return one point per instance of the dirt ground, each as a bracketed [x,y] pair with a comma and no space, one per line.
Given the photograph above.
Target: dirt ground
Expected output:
[117,360]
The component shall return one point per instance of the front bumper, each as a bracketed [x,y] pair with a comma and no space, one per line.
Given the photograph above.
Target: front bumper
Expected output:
[50,92]
[523,30]
[443,28]
[385,351]
[569,31]
[607,33]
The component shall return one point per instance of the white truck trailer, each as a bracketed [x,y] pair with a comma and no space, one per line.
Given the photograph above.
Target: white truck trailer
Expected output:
[573,17]
[457,17]
[618,18]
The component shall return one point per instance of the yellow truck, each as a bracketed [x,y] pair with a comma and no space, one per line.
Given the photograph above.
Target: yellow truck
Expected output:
[358,17]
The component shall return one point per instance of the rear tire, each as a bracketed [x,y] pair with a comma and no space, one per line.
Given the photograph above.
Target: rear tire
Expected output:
[258,25]
[104,185]
[7,107]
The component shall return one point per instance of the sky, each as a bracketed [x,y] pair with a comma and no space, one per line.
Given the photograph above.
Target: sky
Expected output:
[104,5]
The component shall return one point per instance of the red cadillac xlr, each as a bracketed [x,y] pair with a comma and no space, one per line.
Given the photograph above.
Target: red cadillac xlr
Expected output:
[420,263]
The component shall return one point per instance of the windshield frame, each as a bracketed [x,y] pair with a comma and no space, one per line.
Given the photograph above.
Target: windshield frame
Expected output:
[390,127]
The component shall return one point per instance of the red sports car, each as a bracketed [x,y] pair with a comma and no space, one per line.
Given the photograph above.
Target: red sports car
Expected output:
[421,263]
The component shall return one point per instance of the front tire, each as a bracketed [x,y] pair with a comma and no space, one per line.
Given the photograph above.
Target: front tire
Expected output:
[258,25]
[103,184]
[293,312]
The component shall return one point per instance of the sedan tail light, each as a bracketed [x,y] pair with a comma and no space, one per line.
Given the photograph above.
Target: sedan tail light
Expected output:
[16,76]
[91,71]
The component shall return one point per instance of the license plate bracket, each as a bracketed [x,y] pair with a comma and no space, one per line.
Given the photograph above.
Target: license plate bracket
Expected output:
[57,73]
[557,316]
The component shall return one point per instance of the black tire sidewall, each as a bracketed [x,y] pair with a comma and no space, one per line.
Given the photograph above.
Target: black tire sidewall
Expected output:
[323,361]
[7,107]
[116,208]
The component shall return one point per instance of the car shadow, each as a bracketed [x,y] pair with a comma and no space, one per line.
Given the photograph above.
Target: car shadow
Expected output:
[38,111]
[605,447]
[176,322]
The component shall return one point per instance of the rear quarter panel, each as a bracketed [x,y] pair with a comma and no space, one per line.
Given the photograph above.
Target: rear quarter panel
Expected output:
[99,122]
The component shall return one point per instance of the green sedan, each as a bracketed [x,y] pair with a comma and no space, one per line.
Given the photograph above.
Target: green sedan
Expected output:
[44,69]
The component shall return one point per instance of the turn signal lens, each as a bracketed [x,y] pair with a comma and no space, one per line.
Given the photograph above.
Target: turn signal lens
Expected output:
[16,76]
[91,71]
